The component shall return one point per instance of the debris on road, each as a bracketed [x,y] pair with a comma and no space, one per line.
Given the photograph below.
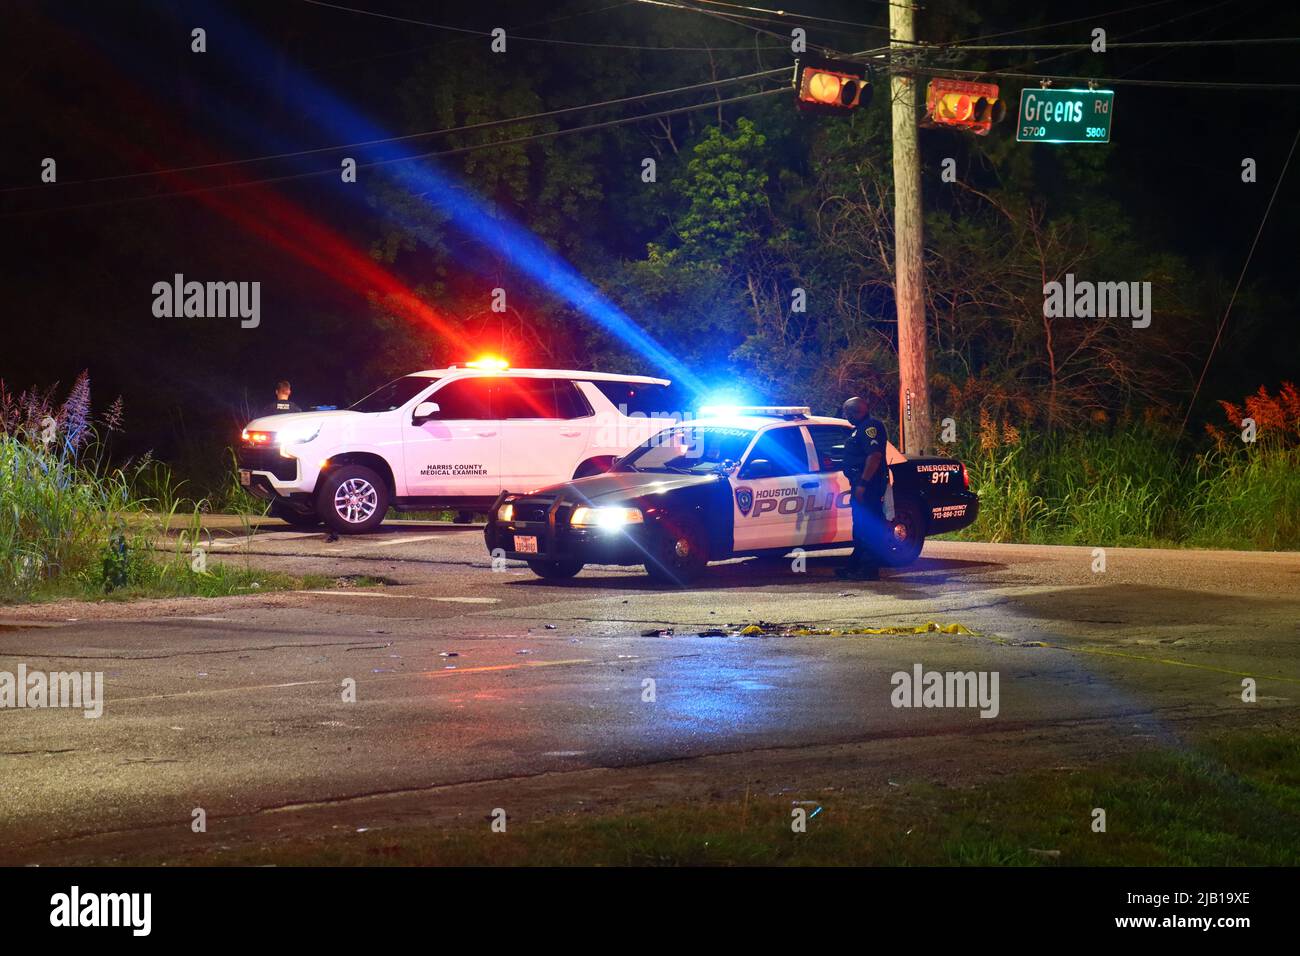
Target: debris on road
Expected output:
[768,629]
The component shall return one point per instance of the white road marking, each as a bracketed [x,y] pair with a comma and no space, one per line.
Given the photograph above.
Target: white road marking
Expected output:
[407,597]
[384,544]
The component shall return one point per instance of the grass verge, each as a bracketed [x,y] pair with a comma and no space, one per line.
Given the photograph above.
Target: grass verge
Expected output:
[1234,801]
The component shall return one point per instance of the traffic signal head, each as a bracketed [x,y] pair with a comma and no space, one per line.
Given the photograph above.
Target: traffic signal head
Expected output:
[972,106]
[831,86]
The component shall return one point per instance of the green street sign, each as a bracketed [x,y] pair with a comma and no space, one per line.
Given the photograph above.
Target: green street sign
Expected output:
[1064,116]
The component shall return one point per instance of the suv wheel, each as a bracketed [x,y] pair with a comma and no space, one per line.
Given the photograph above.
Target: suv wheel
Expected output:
[295,517]
[679,556]
[352,500]
[555,570]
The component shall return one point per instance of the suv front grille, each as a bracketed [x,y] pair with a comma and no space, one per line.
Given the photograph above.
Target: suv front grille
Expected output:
[268,459]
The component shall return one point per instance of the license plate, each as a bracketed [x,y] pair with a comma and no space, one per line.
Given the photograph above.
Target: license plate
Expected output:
[526,543]
[245,477]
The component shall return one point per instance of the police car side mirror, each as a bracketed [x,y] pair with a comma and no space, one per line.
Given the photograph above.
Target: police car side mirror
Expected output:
[423,412]
[758,468]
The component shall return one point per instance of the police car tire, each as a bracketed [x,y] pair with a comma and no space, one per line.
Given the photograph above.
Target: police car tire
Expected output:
[902,552]
[330,486]
[294,517]
[555,570]
[670,566]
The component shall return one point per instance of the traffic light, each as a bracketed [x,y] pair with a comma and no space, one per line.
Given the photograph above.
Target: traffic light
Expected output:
[972,106]
[831,86]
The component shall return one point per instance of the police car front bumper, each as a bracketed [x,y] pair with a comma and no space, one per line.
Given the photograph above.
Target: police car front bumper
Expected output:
[540,531]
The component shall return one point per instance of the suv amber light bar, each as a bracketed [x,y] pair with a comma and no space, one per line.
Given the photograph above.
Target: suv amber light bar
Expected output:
[489,363]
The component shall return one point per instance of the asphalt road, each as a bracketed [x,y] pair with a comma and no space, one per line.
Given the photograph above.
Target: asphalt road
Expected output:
[478,689]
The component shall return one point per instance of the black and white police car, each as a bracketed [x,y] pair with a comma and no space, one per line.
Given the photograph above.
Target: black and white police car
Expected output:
[743,481]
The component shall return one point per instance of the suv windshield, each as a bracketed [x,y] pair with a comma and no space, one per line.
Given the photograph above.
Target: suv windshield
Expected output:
[394,395]
[689,449]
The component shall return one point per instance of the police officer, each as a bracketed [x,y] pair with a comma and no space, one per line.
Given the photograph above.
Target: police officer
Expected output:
[282,405]
[865,467]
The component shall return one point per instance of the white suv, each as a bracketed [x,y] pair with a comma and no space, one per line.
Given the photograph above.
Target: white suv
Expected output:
[451,438]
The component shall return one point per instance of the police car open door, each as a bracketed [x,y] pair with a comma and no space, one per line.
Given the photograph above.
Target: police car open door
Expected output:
[769,492]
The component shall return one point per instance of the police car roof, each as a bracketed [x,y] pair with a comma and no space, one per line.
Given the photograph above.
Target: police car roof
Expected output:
[468,372]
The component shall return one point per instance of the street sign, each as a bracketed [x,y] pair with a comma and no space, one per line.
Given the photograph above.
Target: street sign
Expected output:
[1064,116]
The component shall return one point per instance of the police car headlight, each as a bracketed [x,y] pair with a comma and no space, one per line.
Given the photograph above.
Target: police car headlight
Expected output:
[607,519]
[506,513]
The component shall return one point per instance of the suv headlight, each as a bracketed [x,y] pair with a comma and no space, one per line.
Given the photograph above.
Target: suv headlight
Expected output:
[608,519]
[298,434]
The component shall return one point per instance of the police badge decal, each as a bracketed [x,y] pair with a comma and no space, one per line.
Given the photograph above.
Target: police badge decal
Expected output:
[744,500]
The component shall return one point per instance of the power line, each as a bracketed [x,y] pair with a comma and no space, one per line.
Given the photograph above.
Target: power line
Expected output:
[1132,33]
[496,144]
[1109,45]
[1113,81]
[1240,278]
[1063,23]
[488,33]
[487,124]
[733,19]
[808,16]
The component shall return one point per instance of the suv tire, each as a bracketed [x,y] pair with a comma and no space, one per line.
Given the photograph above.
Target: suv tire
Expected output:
[294,516]
[352,499]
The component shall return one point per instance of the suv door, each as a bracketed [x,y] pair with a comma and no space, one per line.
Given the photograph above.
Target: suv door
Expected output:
[545,430]
[769,507]
[456,453]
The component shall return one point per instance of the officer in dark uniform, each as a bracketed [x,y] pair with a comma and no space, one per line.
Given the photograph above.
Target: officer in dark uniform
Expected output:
[281,405]
[865,467]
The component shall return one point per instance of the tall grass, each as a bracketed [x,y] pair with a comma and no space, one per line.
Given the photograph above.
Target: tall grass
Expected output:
[71,522]
[1135,487]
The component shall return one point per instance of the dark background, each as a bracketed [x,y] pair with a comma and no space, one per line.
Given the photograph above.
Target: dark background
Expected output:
[112,89]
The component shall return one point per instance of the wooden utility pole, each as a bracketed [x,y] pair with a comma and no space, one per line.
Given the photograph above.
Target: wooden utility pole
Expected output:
[909,291]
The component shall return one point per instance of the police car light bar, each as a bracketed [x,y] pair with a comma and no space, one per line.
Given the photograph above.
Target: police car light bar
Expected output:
[761,411]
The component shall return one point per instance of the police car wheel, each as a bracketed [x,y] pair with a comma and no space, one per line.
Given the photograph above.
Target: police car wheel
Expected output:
[292,516]
[906,535]
[681,556]
[555,570]
[352,500]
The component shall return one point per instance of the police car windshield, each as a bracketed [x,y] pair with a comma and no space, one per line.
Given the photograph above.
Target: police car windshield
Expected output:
[394,395]
[690,449]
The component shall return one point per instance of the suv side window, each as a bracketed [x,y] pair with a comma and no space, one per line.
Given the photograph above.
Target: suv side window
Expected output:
[638,398]
[569,400]
[524,398]
[785,448]
[538,398]
[828,440]
[466,399]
